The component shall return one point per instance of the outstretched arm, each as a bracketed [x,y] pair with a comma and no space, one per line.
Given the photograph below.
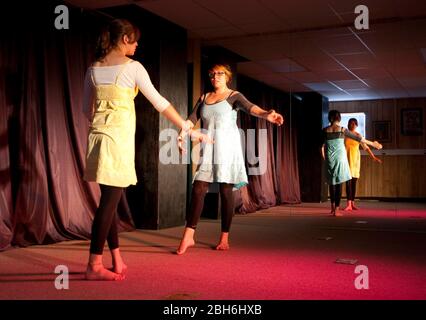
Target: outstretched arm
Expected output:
[240,101]
[186,125]
[362,140]
[162,105]
[366,148]
[270,115]
[173,116]
[373,144]
[191,121]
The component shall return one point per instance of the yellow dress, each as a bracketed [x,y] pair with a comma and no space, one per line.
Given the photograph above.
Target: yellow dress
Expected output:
[110,156]
[354,157]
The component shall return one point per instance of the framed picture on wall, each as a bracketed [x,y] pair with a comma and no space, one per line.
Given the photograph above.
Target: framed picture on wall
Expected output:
[382,131]
[412,122]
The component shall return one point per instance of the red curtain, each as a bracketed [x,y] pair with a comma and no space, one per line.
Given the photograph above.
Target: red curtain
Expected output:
[280,183]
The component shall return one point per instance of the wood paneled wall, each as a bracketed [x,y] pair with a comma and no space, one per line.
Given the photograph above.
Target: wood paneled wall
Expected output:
[400,175]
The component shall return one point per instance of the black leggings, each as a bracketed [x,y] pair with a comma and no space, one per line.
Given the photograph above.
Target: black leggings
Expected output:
[104,224]
[351,189]
[199,190]
[335,193]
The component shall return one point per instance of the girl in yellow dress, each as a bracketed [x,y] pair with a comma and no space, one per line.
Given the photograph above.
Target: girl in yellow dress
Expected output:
[111,84]
[354,159]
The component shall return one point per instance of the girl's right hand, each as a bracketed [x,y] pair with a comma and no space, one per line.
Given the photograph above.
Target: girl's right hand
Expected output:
[196,135]
[378,160]
[377,145]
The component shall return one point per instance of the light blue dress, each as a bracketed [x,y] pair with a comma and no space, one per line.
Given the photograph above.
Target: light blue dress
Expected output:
[336,165]
[223,161]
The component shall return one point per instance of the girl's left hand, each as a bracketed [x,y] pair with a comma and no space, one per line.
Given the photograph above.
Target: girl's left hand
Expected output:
[201,137]
[275,118]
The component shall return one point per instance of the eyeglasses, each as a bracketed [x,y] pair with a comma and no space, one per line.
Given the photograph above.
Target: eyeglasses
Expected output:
[219,73]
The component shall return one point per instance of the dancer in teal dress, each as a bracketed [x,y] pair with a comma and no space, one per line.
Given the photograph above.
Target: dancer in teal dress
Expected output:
[336,161]
[223,161]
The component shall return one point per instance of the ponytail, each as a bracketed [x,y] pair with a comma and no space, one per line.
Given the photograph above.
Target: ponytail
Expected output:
[112,34]
[104,44]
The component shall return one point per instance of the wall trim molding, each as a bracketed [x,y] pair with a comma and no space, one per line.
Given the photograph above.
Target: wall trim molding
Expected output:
[397,152]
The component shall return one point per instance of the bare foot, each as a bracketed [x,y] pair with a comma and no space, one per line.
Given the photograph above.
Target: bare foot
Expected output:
[118,265]
[98,272]
[185,244]
[222,246]
[338,213]
[119,268]
[348,208]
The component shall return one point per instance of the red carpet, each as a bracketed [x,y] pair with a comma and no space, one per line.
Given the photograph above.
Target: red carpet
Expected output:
[279,253]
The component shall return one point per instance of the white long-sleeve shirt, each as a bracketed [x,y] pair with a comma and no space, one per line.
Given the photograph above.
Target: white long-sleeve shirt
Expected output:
[133,74]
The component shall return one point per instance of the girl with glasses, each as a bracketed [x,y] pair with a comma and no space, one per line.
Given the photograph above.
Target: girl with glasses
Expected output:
[223,161]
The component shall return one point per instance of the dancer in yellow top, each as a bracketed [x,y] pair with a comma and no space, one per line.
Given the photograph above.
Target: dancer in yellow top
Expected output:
[354,159]
[111,84]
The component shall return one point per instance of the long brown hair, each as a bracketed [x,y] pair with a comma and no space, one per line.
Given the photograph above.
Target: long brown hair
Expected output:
[112,34]
[334,116]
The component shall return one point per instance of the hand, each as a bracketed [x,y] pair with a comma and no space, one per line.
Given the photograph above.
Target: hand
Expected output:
[201,137]
[377,160]
[377,145]
[180,143]
[196,135]
[187,125]
[275,117]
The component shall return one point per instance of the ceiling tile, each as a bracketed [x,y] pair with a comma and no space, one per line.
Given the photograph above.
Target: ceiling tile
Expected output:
[283,65]
[337,75]
[403,71]
[252,68]
[304,77]
[358,60]
[235,13]
[187,14]
[318,63]
[342,45]
[371,73]
[321,86]
[412,81]
[224,31]
[273,78]
[350,84]
[380,83]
